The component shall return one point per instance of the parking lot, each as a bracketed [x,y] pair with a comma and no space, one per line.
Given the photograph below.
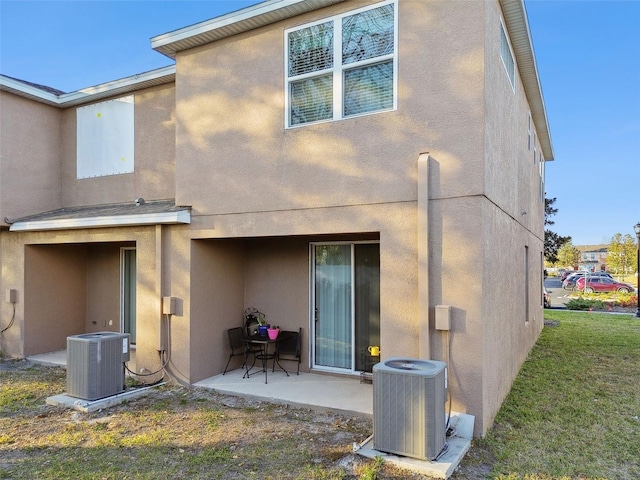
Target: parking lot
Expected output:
[559,296]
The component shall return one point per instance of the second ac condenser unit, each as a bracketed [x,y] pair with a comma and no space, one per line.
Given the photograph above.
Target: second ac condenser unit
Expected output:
[95,364]
[409,399]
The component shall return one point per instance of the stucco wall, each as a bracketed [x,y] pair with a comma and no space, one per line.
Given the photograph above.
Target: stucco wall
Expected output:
[57,273]
[513,227]
[267,284]
[216,304]
[512,174]
[247,175]
[234,153]
[30,152]
[154,143]
[55,296]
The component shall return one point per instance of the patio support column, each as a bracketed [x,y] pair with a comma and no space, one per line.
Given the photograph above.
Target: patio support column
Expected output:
[423,257]
[159,290]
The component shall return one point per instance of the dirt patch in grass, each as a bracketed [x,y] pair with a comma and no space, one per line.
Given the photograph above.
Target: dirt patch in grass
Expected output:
[175,433]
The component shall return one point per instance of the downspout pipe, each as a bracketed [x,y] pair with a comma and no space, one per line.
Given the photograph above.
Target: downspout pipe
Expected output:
[423,257]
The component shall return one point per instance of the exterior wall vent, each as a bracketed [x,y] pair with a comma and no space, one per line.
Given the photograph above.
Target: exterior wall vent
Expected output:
[409,407]
[95,364]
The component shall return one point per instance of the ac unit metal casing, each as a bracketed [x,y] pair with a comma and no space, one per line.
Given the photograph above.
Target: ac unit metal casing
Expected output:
[409,397]
[95,364]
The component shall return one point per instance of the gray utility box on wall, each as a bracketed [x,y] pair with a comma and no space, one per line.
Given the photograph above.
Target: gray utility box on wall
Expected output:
[95,364]
[409,399]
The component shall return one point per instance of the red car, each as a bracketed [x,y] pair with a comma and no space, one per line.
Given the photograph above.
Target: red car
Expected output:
[602,284]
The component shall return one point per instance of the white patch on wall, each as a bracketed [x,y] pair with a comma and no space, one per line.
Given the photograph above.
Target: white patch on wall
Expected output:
[105,138]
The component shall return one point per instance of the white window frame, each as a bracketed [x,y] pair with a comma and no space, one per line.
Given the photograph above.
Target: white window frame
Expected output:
[338,68]
[511,73]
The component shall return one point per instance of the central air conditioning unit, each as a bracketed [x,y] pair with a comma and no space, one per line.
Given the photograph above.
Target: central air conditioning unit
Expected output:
[95,364]
[409,399]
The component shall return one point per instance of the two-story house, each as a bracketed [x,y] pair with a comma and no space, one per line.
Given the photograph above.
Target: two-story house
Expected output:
[593,258]
[343,166]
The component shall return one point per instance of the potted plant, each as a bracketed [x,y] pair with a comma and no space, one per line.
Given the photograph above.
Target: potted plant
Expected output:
[273,332]
[263,326]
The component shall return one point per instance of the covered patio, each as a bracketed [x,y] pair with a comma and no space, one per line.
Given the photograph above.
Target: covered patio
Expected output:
[307,390]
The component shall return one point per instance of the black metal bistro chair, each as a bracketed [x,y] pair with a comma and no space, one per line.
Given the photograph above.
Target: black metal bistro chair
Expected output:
[238,346]
[290,348]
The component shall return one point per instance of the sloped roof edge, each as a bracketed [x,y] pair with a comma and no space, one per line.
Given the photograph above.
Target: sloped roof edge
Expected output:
[154,212]
[122,86]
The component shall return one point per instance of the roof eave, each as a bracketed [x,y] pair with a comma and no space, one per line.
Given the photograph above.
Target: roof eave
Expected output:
[122,86]
[24,90]
[515,17]
[234,23]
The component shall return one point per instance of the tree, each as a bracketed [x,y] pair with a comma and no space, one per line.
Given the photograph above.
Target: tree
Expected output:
[552,241]
[568,255]
[621,254]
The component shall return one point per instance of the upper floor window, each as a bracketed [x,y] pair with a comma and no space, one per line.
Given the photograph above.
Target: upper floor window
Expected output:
[104,138]
[507,57]
[342,66]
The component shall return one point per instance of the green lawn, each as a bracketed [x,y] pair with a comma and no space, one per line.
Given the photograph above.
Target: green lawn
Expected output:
[573,411]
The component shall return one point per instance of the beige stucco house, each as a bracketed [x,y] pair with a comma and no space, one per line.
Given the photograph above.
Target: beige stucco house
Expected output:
[343,166]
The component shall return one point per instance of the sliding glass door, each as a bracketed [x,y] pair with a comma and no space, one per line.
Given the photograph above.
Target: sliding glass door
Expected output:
[346,304]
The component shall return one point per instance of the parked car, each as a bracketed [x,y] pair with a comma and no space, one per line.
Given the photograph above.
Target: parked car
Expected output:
[601,283]
[566,273]
[570,282]
[546,298]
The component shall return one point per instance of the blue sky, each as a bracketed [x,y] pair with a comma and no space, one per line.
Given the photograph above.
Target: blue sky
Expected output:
[587,54]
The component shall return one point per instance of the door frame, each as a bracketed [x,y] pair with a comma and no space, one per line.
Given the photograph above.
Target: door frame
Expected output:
[312,303]
[123,294]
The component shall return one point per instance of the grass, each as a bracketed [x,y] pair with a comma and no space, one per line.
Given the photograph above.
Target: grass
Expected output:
[572,413]
[173,433]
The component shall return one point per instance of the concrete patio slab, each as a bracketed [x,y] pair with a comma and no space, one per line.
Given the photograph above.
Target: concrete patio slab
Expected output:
[309,390]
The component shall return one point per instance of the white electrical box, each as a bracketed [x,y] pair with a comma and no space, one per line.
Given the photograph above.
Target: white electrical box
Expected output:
[168,305]
[443,317]
[12,295]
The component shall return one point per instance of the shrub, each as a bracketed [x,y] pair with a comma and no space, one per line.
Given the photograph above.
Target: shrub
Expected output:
[628,300]
[581,303]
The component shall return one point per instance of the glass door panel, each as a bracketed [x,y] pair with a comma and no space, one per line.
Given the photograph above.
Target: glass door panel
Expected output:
[346,305]
[333,290]
[367,303]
